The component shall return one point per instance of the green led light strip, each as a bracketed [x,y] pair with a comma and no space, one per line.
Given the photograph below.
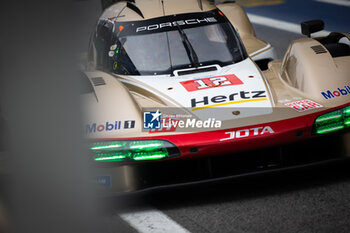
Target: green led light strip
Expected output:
[347,116]
[117,151]
[150,157]
[331,129]
[332,121]
[326,118]
[146,146]
[106,147]
[110,158]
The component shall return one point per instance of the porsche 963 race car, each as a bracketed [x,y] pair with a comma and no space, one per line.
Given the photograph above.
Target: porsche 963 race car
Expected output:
[183,91]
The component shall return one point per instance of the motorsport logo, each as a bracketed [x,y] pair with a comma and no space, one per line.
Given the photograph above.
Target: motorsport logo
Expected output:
[244,133]
[153,120]
[222,100]
[339,92]
[109,126]
[176,23]
[303,105]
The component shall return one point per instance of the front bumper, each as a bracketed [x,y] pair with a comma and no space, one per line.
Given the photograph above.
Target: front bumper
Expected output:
[222,154]
[130,178]
[236,140]
[228,153]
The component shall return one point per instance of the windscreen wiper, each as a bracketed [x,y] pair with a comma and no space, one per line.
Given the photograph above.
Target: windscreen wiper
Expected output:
[189,48]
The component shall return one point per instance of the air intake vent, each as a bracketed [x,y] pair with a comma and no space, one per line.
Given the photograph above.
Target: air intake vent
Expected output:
[199,70]
[98,81]
[318,49]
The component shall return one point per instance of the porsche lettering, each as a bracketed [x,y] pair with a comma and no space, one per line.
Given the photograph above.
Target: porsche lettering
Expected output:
[176,23]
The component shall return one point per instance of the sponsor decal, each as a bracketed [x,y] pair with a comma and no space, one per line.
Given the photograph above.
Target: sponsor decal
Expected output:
[152,120]
[337,93]
[113,47]
[113,51]
[109,126]
[193,123]
[172,123]
[212,82]
[129,124]
[111,54]
[176,23]
[303,105]
[166,127]
[244,133]
[104,181]
[115,65]
[222,100]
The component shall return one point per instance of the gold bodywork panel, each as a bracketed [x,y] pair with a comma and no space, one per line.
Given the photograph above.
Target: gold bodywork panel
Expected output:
[311,73]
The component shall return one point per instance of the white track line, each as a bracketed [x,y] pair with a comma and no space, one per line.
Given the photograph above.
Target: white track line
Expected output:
[336,2]
[152,221]
[280,25]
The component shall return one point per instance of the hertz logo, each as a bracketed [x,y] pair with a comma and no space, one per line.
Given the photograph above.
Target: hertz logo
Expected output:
[222,100]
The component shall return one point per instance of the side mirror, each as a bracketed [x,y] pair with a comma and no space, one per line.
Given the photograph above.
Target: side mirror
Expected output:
[309,27]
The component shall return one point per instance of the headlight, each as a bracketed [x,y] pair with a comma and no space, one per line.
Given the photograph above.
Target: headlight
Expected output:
[332,121]
[141,150]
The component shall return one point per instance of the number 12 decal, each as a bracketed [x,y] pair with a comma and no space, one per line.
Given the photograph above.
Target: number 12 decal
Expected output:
[213,82]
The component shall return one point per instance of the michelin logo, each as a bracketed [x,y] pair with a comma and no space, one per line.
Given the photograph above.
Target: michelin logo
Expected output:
[339,92]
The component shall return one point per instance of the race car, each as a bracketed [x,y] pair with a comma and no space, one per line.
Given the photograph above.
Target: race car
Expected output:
[183,91]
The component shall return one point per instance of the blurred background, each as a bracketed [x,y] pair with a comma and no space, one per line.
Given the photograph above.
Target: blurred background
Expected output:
[45,187]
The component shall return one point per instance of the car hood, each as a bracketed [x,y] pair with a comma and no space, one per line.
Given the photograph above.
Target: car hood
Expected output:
[231,92]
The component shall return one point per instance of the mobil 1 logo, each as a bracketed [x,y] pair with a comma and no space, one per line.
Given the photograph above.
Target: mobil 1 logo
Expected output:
[109,126]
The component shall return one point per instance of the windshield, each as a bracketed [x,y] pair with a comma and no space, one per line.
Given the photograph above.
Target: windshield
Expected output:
[162,45]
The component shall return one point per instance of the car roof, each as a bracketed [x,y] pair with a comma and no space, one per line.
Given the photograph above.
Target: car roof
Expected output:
[148,9]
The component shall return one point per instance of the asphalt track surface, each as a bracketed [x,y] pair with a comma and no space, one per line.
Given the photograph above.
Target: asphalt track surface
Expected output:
[311,200]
